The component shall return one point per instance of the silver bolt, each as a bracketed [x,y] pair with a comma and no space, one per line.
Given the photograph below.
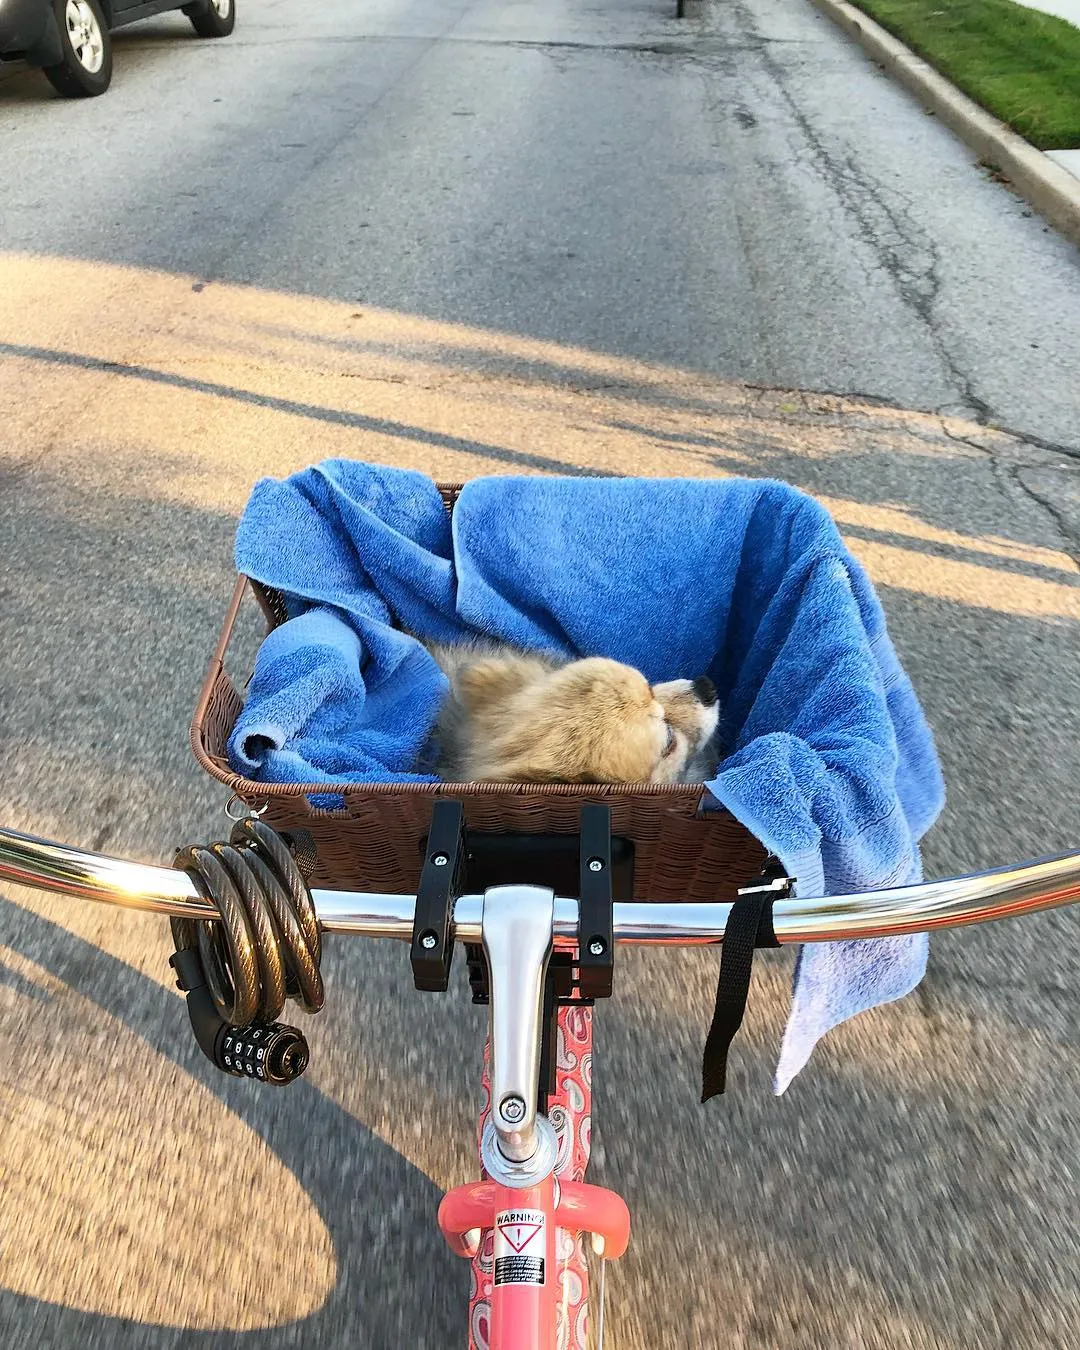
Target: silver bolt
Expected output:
[440,860]
[429,942]
[596,947]
[595,865]
[512,1109]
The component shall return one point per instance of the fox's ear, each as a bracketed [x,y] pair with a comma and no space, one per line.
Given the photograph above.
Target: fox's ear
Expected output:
[487,681]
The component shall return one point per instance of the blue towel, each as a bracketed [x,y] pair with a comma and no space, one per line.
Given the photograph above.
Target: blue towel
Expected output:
[827,756]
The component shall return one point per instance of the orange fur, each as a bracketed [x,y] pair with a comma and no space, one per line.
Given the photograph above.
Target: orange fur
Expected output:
[529,718]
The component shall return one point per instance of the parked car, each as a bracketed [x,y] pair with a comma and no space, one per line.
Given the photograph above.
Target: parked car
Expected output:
[70,39]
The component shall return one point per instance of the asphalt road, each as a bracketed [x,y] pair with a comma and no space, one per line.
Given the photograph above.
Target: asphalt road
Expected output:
[476,237]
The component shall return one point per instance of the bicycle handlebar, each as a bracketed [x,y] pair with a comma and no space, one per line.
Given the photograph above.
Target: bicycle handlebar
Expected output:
[1005,892]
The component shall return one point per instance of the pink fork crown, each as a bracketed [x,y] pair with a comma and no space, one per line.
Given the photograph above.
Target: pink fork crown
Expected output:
[581,1208]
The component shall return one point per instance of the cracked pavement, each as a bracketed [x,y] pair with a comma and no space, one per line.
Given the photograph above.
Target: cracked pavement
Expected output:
[487,237]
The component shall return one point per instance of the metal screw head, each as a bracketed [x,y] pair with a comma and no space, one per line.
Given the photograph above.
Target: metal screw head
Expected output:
[429,942]
[595,865]
[440,860]
[512,1109]
[596,947]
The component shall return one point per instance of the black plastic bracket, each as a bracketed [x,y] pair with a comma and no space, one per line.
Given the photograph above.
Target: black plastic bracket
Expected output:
[549,1041]
[589,863]
[595,925]
[440,885]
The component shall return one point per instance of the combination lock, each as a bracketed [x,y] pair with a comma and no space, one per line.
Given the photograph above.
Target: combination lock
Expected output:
[272,1053]
[269,1052]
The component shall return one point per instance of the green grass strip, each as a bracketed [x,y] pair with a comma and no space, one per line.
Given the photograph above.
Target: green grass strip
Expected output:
[1021,65]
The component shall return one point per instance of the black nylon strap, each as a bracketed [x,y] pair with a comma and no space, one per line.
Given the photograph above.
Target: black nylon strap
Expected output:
[749,925]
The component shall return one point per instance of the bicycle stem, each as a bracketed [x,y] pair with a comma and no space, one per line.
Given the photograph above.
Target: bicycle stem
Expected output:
[517,927]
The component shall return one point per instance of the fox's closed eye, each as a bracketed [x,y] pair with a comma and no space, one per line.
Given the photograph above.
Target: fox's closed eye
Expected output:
[669,747]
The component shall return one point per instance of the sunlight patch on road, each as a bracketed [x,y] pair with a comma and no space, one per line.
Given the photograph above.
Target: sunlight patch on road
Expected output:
[898,520]
[111,1219]
[180,392]
[967,584]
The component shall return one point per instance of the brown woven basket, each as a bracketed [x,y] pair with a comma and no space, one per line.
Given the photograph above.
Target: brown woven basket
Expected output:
[373,843]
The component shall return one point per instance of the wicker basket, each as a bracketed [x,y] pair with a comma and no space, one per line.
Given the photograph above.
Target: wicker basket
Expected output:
[374,842]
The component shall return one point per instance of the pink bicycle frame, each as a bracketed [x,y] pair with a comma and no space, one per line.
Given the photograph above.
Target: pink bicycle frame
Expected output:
[534,1235]
[521,1224]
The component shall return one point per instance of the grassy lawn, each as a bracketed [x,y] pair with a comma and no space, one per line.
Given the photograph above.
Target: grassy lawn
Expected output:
[1021,65]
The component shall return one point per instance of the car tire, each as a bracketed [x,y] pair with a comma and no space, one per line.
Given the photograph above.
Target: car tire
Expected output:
[212,18]
[86,68]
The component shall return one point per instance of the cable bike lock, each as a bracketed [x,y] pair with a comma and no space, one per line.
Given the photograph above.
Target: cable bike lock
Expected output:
[237,973]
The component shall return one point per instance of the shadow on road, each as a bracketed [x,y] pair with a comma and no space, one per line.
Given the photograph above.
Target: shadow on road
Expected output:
[377,1210]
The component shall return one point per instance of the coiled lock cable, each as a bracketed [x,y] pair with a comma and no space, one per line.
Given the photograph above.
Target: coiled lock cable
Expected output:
[238,973]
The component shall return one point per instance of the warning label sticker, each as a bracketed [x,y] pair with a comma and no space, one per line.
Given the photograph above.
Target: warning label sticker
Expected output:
[520,1246]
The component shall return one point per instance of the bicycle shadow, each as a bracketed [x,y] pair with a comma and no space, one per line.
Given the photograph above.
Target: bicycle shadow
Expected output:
[380,1246]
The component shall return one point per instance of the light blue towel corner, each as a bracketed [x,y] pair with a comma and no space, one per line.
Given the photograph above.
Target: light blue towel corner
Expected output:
[827,755]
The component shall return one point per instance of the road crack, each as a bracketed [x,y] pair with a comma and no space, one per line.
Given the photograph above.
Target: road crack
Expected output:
[906,252]
[1065,527]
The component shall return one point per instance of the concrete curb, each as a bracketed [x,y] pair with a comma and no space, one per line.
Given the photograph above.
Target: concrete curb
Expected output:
[1049,187]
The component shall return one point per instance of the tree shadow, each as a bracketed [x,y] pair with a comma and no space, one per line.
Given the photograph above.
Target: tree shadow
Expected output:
[115,579]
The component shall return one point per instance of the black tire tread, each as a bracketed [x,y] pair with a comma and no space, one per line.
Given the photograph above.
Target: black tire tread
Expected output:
[207,22]
[68,77]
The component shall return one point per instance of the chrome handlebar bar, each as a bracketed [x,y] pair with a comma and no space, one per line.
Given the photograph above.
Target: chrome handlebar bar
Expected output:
[519,926]
[1005,892]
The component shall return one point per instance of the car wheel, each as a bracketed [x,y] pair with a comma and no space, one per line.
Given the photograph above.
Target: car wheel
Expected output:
[212,18]
[86,68]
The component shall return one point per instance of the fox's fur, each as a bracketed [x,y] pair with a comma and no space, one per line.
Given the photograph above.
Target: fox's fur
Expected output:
[530,717]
